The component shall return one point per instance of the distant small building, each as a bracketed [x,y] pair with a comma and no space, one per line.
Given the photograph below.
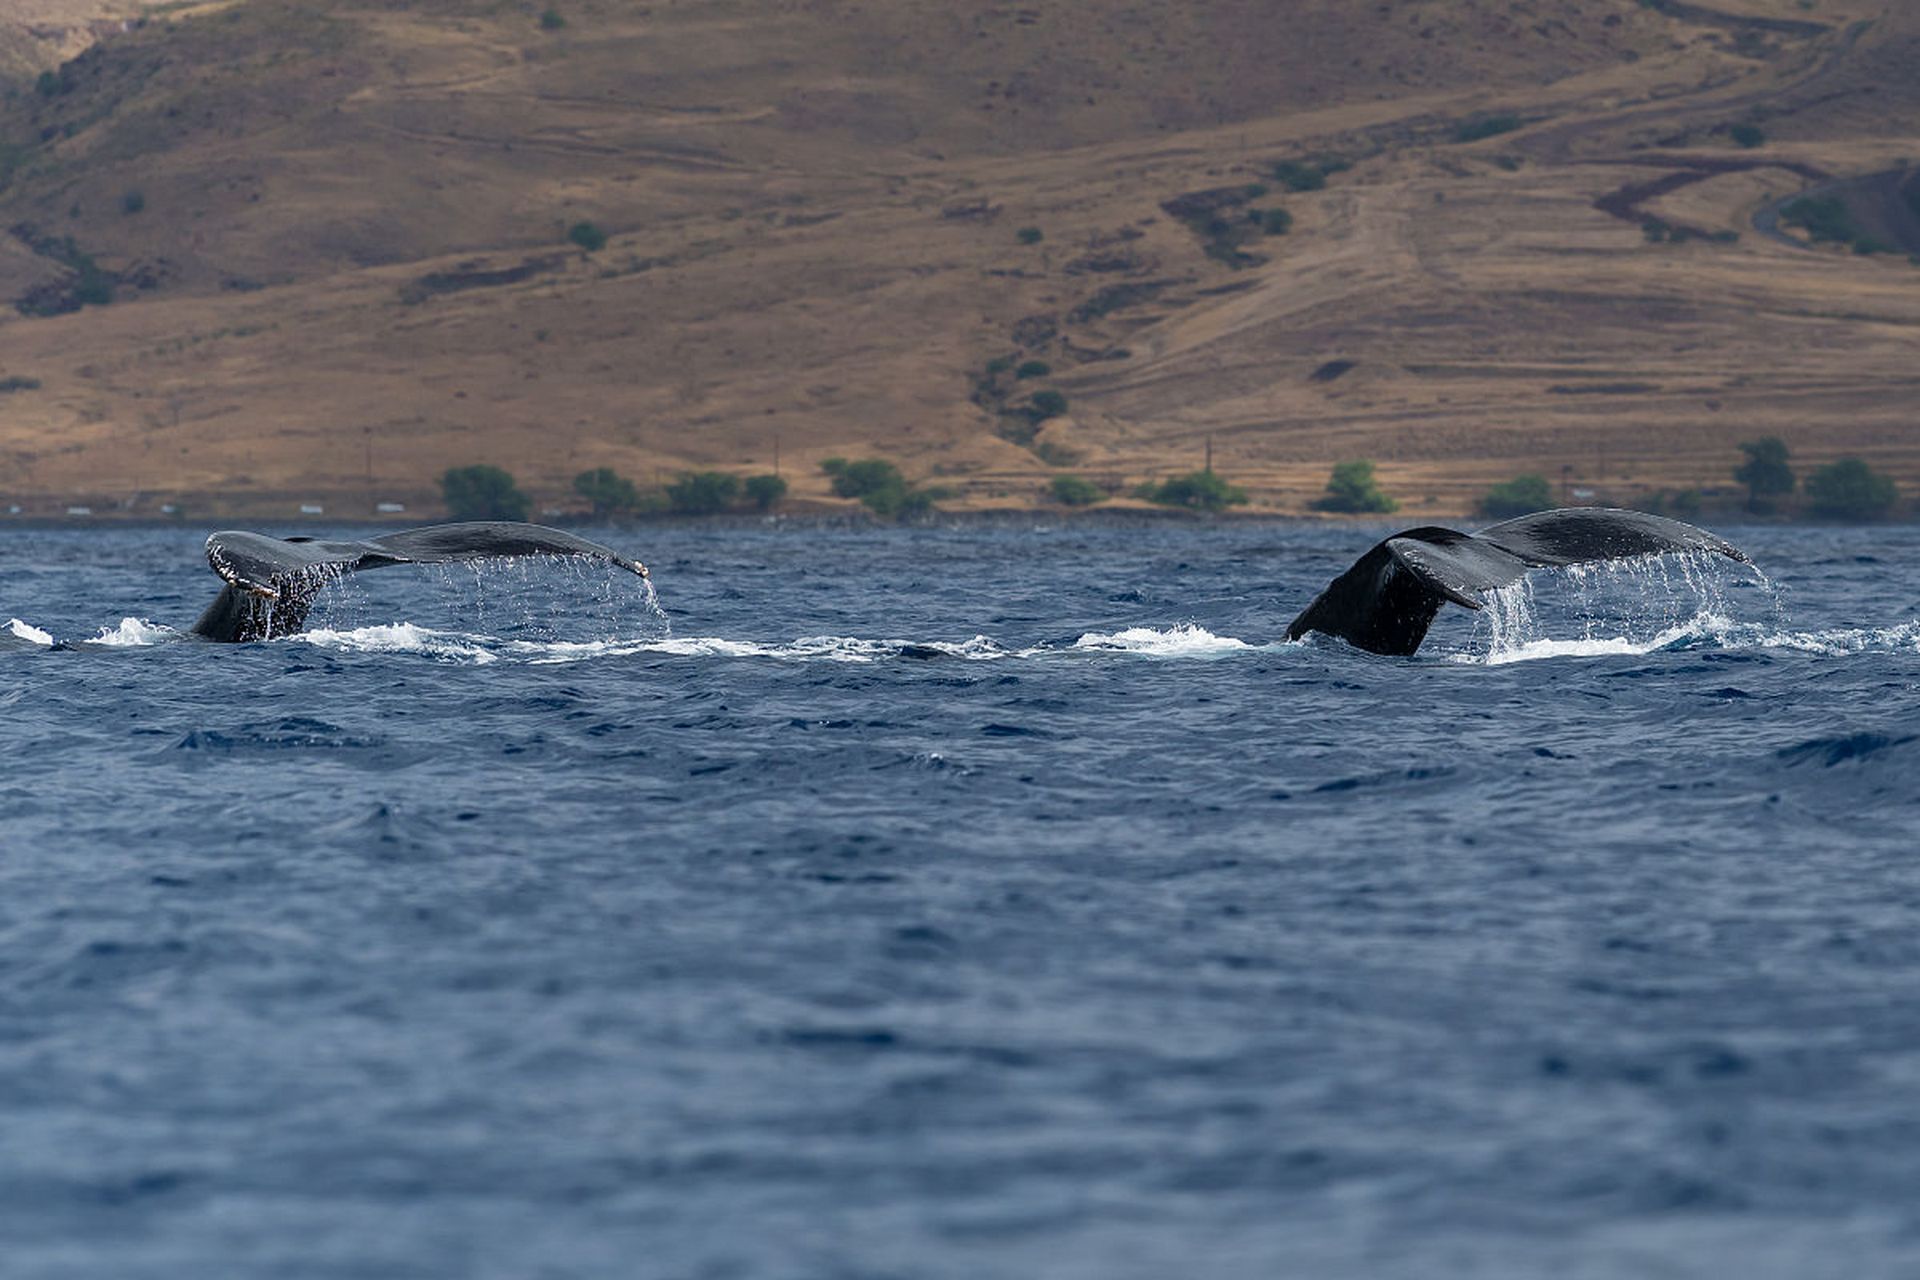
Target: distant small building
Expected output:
[312,509]
[79,511]
[390,508]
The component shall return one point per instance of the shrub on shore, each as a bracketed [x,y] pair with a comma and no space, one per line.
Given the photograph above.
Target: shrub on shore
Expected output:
[1519,496]
[1850,490]
[702,493]
[1197,491]
[610,492]
[763,491]
[1352,488]
[482,492]
[1075,491]
[1765,472]
[880,487]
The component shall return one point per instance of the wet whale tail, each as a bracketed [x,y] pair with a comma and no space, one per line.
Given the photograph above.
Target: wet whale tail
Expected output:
[1388,599]
[271,582]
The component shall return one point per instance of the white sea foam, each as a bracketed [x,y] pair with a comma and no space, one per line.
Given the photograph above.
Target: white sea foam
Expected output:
[30,633]
[406,637]
[402,637]
[134,633]
[1589,646]
[805,648]
[1707,629]
[1184,641]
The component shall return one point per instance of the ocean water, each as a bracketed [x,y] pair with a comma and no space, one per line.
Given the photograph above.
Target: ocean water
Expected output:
[961,902]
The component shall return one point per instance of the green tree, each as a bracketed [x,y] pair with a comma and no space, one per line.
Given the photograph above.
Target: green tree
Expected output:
[1076,491]
[1517,497]
[1748,135]
[1351,487]
[1030,235]
[481,492]
[858,479]
[587,236]
[764,491]
[703,493]
[1033,369]
[879,485]
[1850,490]
[1197,490]
[551,20]
[1765,472]
[608,491]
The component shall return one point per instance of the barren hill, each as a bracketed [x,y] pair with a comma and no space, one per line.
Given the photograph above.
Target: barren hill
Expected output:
[263,252]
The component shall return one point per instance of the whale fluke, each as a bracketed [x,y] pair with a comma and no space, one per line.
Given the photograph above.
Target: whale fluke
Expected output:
[1388,599]
[271,582]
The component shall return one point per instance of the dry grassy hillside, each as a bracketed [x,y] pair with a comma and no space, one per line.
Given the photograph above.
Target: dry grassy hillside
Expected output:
[264,252]
[39,35]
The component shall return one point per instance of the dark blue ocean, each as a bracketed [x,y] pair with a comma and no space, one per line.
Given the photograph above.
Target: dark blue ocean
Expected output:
[995,900]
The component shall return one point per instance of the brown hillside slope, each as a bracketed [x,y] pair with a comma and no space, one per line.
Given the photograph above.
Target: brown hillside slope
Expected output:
[39,35]
[336,244]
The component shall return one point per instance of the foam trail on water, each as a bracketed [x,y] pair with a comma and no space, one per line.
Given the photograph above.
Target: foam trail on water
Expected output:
[402,637]
[453,646]
[134,633]
[1184,641]
[806,648]
[1592,646]
[30,633]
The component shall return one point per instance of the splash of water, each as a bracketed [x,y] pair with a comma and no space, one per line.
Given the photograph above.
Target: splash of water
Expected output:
[134,633]
[30,633]
[1622,607]
[573,599]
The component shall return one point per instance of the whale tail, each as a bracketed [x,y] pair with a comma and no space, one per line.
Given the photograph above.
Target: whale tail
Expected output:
[271,582]
[1388,599]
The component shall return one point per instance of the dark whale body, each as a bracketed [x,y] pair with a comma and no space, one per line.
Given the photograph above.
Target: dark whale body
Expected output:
[271,582]
[1388,599]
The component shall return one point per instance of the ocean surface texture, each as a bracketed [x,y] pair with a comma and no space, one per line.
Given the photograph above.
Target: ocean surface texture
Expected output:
[955,903]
